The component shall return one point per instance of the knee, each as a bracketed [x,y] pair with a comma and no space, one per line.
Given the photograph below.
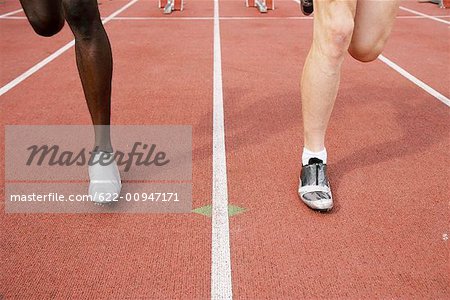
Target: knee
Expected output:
[338,35]
[46,26]
[83,17]
[366,51]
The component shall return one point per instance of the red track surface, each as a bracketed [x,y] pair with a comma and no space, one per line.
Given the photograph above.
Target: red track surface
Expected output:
[388,143]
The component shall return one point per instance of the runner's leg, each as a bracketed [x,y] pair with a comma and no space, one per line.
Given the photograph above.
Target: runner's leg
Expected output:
[333,29]
[373,25]
[94,62]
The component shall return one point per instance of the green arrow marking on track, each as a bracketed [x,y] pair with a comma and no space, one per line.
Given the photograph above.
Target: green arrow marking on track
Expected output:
[235,210]
[207,210]
[204,210]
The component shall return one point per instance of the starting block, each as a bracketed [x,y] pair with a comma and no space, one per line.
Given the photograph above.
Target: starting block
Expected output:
[169,6]
[261,5]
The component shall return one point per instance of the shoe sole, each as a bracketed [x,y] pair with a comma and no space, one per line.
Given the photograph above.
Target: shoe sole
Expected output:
[315,208]
[328,207]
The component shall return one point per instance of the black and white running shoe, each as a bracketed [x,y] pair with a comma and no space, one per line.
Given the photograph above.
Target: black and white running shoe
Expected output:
[314,188]
[307,7]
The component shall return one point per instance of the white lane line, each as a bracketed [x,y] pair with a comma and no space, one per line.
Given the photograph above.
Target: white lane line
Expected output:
[11,13]
[435,18]
[35,68]
[212,18]
[13,18]
[415,80]
[119,11]
[220,248]
[424,15]
[266,18]
[221,18]
[56,54]
[310,18]
[164,18]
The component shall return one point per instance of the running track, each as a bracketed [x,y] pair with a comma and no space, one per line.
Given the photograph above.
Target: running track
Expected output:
[233,75]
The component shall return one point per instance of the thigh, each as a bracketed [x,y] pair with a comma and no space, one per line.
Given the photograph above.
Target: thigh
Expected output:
[373,22]
[326,10]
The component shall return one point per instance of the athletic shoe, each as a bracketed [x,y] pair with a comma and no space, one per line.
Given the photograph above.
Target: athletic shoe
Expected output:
[314,188]
[307,7]
[105,184]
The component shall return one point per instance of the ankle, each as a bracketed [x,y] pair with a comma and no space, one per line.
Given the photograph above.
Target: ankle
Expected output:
[308,154]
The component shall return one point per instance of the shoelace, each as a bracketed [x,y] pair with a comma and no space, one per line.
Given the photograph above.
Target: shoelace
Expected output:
[317,174]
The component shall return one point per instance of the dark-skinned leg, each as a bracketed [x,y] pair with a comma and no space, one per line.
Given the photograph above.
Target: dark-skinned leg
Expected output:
[93,53]
[94,62]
